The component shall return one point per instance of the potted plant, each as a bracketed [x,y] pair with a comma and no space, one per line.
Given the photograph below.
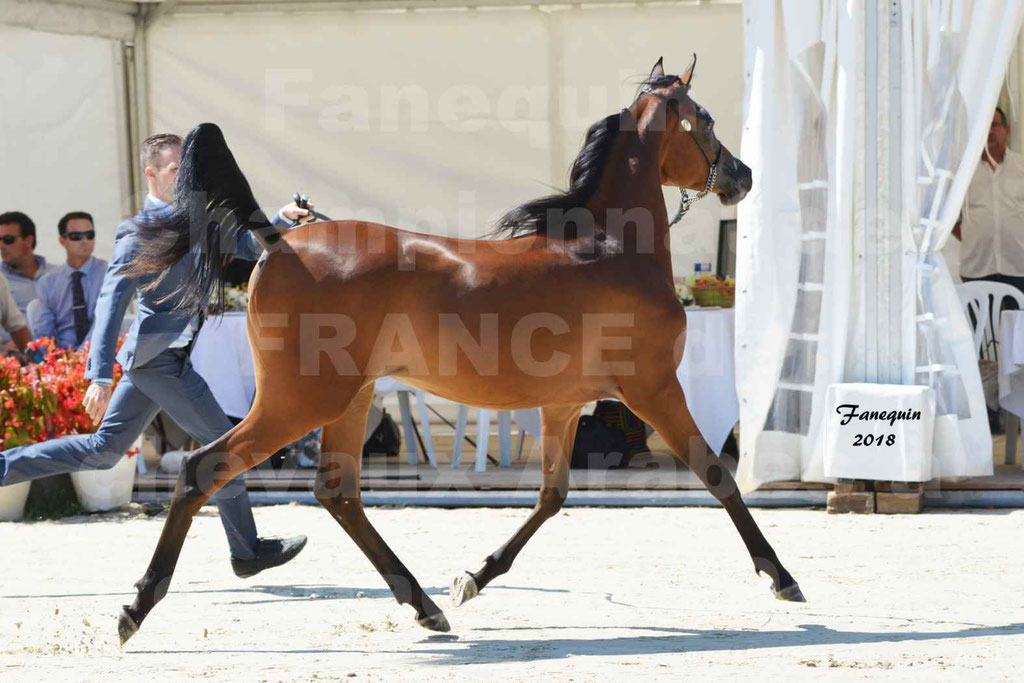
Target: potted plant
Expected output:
[48,397]
[21,422]
[102,490]
[62,371]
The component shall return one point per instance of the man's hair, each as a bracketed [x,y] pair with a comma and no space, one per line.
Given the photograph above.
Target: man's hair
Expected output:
[28,228]
[1002,115]
[149,153]
[62,224]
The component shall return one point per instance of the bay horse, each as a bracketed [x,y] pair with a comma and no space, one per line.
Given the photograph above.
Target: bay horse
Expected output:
[329,301]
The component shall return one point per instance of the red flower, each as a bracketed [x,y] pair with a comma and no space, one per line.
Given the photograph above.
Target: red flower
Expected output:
[43,400]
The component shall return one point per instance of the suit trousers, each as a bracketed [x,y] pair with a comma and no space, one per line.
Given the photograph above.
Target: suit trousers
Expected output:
[167,382]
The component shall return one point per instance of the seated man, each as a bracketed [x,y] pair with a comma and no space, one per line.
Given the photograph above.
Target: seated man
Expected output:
[11,320]
[18,261]
[68,293]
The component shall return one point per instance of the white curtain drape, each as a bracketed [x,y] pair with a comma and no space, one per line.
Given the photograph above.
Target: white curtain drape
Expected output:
[863,124]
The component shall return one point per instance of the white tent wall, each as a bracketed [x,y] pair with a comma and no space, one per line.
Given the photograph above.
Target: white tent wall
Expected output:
[434,120]
[61,132]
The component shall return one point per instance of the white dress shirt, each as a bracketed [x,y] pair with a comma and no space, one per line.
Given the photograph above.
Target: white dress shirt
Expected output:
[56,317]
[992,225]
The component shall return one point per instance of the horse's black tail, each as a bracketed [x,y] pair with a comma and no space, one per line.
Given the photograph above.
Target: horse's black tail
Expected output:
[213,204]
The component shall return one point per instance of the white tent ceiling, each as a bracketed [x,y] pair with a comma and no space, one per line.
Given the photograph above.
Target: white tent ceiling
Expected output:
[116,19]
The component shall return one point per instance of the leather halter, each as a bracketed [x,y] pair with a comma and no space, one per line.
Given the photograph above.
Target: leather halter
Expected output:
[685,200]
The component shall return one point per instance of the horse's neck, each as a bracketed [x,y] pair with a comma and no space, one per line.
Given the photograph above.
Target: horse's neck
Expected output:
[628,203]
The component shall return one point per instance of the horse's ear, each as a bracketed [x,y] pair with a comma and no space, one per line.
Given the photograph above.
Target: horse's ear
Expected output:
[688,74]
[658,71]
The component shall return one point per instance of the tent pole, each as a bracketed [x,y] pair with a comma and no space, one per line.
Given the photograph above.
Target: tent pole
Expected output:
[142,21]
[871,233]
[131,129]
[136,102]
[899,325]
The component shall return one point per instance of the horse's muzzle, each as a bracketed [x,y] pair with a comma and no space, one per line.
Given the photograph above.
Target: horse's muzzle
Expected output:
[735,182]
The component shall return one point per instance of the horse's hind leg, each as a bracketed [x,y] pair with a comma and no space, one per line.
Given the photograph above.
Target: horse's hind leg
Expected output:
[558,430]
[337,488]
[665,410]
[203,473]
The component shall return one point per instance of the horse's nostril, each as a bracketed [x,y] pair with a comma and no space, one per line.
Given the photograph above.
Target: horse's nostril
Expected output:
[746,180]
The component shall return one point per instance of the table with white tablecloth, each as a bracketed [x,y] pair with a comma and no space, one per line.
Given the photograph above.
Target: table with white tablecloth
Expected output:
[706,373]
[222,357]
[1011,361]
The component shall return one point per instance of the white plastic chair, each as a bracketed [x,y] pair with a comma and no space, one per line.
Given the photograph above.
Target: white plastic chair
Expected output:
[528,422]
[982,301]
[483,431]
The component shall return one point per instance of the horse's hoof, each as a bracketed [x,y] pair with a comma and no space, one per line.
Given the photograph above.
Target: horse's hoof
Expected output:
[126,626]
[435,622]
[463,589]
[790,594]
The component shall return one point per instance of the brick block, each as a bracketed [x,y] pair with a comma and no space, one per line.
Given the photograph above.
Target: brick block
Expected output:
[890,503]
[856,502]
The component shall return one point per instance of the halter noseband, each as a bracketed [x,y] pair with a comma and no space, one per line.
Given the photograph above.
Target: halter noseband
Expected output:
[685,200]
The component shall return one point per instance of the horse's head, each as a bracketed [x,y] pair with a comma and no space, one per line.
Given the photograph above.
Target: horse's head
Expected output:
[692,157]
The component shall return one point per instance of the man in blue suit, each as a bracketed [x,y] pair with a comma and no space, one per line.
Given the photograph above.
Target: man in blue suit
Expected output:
[157,375]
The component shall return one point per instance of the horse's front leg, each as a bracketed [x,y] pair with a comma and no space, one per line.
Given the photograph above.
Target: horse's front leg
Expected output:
[663,406]
[558,430]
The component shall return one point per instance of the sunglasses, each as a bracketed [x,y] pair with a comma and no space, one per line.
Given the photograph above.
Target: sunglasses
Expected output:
[75,236]
[9,239]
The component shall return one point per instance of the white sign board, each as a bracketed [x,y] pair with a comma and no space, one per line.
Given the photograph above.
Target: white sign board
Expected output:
[879,431]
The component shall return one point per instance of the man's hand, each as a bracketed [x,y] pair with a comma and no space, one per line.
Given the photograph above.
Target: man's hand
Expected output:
[96,399]
[21,338]
[293,212]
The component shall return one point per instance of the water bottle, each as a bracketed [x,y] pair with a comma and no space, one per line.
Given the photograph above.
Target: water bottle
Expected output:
[698,270]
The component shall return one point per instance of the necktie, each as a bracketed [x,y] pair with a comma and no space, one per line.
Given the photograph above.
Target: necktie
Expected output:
[78,307]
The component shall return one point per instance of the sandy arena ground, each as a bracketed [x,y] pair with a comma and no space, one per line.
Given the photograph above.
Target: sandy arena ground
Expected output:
[600,594]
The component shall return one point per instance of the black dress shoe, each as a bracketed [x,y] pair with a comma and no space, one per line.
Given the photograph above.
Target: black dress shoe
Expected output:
[270,552]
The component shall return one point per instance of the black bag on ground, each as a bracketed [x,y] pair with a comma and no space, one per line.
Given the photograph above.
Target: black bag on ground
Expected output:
[598,446]
[609,438]
[385,440]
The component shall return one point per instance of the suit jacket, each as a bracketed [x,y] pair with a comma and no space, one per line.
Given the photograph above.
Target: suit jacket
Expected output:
[157,324]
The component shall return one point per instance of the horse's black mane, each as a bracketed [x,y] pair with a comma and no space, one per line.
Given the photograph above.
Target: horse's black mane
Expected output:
[532,218]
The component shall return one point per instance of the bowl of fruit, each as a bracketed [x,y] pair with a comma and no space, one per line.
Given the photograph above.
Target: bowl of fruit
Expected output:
[711,290]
